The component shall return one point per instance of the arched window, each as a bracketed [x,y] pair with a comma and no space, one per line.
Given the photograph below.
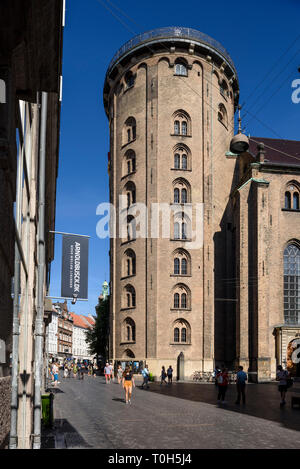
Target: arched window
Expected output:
[176,196]
[176,334]
[176,300]
[181,297]
[183,128]
[129,330]
[130,263]
[131,228]
[183,266]
[182,157]
[129,130]
[181,69]
[224,89]
[292,285]
[184,196]
[291,197]
[181,331]
[129,80]
[222,115]
[130,191]
[129,162]
[182,191]
[182,123]
[130,297]
[176,266]
[183,300]
[182,226]
[296,201]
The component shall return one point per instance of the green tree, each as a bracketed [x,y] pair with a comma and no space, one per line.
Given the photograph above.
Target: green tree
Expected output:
[98,337]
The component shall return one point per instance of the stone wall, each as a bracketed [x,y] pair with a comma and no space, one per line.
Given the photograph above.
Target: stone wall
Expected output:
[5,396]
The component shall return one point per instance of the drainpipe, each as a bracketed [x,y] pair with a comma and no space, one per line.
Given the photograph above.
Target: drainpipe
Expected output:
[13,441]
[39,329]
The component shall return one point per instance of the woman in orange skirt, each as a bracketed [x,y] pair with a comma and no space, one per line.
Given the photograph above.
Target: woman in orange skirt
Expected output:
[128,383]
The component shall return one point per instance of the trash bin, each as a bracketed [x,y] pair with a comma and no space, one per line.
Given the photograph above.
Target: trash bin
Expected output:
[47,409]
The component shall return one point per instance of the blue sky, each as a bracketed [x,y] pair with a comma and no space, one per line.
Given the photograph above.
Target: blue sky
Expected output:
[262,38]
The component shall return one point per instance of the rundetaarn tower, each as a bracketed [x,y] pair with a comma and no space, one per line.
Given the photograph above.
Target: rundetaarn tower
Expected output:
[170,96]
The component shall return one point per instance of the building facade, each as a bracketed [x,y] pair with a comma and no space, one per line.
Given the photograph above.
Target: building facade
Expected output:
[196,295]
[30,94]
[64,332]
[81,324]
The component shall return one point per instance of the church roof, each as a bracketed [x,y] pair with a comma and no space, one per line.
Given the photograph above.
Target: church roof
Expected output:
[278,151]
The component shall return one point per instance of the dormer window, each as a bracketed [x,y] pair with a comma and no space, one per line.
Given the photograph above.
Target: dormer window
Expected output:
[181,69]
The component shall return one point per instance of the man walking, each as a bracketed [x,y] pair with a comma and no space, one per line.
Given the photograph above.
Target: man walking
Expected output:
[241,379]
[145,374]
[170,374]
[107,373]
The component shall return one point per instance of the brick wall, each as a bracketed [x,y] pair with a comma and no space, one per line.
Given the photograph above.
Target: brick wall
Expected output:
[5,396]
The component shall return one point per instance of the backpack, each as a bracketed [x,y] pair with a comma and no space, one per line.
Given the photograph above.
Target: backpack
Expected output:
[220,379]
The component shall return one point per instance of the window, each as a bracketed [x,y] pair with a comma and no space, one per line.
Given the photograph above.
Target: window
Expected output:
[130,191]
[129,330]
[183,128]
[181,297]
[130,297]
[181,191]
[129,130]
[180,69]
[176,300]
[222,115]
[184,266]
[130,263]
[129,163]
[129,80]
[131,228]
[176,230]
[181,157]
[224,89]
[176,266]
[292,285]
[182,123]
[291,197]
[181,331]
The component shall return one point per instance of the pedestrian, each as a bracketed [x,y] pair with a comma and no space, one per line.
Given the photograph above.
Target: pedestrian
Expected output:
[163,376]
[112,372]
[66,371]
[145,374]
[94,370]
[107,373]
[217,370]
[241,379]
[222,379]
[170,374]
[75,369]
[120,374]
[282,376]
[55,374]
[128,383]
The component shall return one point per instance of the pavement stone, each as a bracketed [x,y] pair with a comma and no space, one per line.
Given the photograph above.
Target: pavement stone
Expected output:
[92,414]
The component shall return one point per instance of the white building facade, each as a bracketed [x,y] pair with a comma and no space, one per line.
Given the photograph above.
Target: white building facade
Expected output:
[81,324]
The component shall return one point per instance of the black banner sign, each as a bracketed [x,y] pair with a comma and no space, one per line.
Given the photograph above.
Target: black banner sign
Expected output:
[74,276]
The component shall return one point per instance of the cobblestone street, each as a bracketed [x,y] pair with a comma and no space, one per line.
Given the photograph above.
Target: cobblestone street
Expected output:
[91,414]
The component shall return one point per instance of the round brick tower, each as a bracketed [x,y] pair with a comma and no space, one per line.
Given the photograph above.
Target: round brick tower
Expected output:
[170,97]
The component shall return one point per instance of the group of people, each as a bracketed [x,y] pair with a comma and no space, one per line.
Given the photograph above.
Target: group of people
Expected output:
[71,369]
[222,380]
[166,374]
